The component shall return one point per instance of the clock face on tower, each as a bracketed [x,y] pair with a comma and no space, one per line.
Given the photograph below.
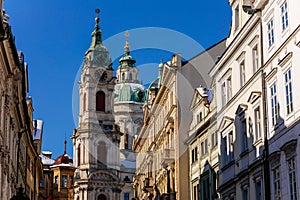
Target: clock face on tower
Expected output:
[103,76]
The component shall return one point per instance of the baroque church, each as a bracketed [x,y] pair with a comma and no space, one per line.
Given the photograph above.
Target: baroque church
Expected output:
[110,115]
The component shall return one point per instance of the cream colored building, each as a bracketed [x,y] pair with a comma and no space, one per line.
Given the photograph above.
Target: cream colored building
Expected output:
[155,145]
[162,152]
[281,55]
[257,117]
[240,122]
[203,145]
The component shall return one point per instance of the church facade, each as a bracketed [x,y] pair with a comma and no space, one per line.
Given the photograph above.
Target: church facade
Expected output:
[110,115]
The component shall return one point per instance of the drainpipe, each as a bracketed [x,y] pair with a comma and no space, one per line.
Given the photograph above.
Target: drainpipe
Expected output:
[267,190]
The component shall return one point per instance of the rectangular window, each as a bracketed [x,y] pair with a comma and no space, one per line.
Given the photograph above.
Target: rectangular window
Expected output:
[284,16]
[204,147]
[195,191]
[274,104]
[42,183]
[245,193]
[126,196]
[231,147]
[224,94]
[214,139]
[288,91]
[271,32]
[227,143]
[242,73]
[244,135]
[225,152]
[258,195]
[276,182]
[205,190]
[255,58]
[195,154]
[56,181]
[229,88]
[237,17]
[64,181]
[257,124]
[292,178]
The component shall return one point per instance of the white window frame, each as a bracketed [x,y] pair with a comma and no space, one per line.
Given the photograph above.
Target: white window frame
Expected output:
[242,72]
[292,177]
[257,123]
[274,103]
[284,16]
[270,31]
[255,58]
[288,87]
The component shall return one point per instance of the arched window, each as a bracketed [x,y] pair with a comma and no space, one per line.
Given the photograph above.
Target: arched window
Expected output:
[101,197]
[78,155]
[100,101]
[84,102]
[101,153]
[123,76]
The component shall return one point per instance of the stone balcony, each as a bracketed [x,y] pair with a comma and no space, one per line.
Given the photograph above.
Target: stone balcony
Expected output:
[168,157]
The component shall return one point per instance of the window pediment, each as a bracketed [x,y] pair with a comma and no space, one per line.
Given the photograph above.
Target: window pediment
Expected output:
[226,122]
[241,109]
[254,96]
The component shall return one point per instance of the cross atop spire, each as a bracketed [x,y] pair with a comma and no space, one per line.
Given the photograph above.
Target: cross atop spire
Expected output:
[97,19]
[126,47]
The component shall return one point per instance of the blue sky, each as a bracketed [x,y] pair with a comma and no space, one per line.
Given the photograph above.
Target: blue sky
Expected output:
[54,36]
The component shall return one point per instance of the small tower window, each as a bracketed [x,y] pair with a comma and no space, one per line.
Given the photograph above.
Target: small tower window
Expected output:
[78,155]
[123,76]
[130,76]
[101,153]
[100,101]
[84,102]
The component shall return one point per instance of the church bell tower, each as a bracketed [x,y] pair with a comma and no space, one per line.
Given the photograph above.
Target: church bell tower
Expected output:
[96,140]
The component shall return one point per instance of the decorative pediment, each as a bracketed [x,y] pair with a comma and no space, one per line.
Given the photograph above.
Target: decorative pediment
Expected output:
[226,121]
[196,99]
[202,94]
[254,96]
[241,109]
[103,176]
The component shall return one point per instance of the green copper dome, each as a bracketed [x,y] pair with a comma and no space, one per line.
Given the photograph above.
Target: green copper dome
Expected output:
[129,92]
[97,55]
[127,60]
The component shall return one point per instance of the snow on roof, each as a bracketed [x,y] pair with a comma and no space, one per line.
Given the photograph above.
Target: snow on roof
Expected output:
[63,165]
[46,152]
[46,160]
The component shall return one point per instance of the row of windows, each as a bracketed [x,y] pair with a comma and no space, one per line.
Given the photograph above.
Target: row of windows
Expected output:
[246,130]
[64,181]
[284,23]
[226,85]
[204,147]
[101,154]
